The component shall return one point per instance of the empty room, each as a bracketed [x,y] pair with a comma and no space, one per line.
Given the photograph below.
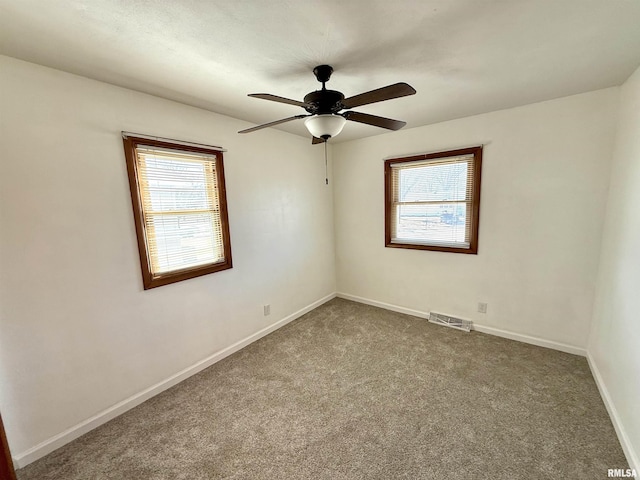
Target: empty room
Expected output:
[320,239]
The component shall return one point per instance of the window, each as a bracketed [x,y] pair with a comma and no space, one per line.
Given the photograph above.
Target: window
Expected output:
[432,201]
[180,209]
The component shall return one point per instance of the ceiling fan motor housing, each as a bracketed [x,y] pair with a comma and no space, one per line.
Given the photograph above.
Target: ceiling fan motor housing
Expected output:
[324,101]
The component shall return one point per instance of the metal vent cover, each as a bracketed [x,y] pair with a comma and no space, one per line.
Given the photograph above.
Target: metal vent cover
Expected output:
[449,321]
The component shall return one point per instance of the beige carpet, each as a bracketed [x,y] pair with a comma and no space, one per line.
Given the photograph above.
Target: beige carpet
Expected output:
[355,392]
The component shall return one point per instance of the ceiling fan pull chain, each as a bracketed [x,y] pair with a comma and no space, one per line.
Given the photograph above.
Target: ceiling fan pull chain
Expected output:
[326,169]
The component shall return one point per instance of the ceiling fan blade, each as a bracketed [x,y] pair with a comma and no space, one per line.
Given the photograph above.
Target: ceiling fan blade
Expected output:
[271,124]
[379,95]
[316,140]
[374,120]
[275,98]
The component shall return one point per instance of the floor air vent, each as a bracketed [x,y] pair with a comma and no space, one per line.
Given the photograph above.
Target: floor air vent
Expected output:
[448,321]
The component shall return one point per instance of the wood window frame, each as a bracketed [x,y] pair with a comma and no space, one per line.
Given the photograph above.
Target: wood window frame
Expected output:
[131,143]
[475,207]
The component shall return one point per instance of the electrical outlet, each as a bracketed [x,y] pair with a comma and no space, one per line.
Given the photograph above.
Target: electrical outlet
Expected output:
[482,307]
[267,310]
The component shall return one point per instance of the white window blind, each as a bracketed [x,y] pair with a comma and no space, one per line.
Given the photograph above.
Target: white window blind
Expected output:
[432,201]
[180,202]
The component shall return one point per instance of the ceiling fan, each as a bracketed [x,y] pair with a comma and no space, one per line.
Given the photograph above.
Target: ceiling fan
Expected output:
[324,119]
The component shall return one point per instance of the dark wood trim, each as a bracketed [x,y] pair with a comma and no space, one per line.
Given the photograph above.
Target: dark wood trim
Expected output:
[431,156]
[388,200]
[7,471]
[224,213]
[172,140]
[475,220]
[130,154]
[434,248]
[148,280]
[171,146]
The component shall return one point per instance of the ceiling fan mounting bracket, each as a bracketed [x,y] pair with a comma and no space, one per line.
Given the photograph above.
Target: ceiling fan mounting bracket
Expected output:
[323,73]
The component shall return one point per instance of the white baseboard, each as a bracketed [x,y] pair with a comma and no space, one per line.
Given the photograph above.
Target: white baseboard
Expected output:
[541,342]
[386,306]
[25,458]
[627,448]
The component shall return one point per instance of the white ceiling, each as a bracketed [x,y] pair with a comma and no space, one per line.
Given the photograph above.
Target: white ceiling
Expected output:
[462,56]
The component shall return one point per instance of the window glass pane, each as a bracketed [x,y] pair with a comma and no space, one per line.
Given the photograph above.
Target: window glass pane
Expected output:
[439,182]
[176,185]
[433,224]
[183,241]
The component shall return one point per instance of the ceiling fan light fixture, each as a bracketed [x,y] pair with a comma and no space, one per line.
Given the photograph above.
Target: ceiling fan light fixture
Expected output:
[325,125]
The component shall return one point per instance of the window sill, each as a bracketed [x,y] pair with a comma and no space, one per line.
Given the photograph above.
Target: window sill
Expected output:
[436,248]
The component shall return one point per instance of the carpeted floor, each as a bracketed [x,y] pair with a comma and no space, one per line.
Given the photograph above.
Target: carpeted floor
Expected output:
[351,391]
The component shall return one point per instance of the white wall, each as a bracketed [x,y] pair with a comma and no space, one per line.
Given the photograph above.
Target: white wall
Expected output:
[614,345]
[544,183]
[77,332]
